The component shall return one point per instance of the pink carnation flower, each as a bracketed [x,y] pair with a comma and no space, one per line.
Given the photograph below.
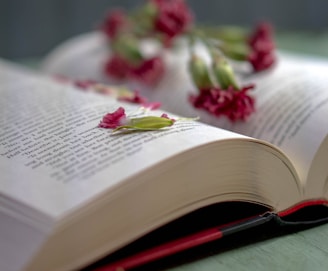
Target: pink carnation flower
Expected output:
[262,32]
[152,105]
[234,104]
[84,84]
[262,47]
[114,120]
[173,18]
[115,21]
[149,72]
[117,67]
[261,61]
[136,98]
[164,115]
[118,121]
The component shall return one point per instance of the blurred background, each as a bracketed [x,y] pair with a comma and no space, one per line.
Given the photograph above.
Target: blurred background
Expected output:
[32,28]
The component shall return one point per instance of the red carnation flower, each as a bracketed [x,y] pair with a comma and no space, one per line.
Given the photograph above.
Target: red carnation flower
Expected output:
[115,21]
[173,18]
[117,67]
[164,115]
[84,84]
[263,31]
[262,47]
[136,98]
[234,104]
[149,72]
[114,120]
[261,61]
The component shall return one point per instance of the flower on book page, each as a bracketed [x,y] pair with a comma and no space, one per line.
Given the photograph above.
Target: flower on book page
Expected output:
[173,17]
[262,47]
[152,105]
[223,72]
[164,115]
[234,104]
[149,72]
[200,72]
[94,86]
[85,84]
[161,22]
[146,71]
[114,120]
[118,92]
[133,97]
[119,121]
[136,98]
[114,22]
[117,67]
[222,96]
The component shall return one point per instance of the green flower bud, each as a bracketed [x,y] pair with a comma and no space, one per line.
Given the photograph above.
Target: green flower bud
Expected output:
[150,10]
[227,33]
[235,51]
[127,47]
[199,72]
[144,17]
[147,123]
[223,72]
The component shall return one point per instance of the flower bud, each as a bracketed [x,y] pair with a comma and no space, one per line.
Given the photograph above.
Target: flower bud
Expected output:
[145,17]
[231,34]
[147,123]
[199,72]
[235,51]
[224,73]
[127,47]
[150,10]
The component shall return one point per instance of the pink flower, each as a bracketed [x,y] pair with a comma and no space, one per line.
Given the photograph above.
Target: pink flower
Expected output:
[117,67]
[261,61]
[119,122]
[164,115]
[84,84]
[114,120]
[262,47]
[152,105]
[262,32]
[149,72]
[173,18]
[234,104]
[115,21]
[136,98]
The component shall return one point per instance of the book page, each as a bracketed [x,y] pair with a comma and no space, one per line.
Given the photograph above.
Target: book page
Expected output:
[53,156]
[291,104]
[292,109]
[291,97]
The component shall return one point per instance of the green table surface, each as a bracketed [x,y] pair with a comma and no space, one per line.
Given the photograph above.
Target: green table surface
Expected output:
[258,250]
[264,248]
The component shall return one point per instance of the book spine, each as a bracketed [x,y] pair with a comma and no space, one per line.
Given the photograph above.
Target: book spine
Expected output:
[308,212]
[187,242]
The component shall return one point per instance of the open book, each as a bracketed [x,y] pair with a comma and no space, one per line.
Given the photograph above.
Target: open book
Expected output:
[72,193]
